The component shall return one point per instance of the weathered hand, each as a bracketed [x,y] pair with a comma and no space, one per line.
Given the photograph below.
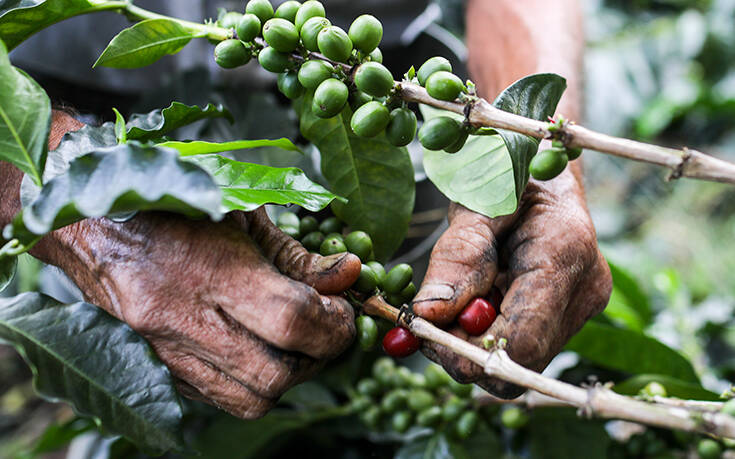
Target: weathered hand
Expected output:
[544,258]
[236,310]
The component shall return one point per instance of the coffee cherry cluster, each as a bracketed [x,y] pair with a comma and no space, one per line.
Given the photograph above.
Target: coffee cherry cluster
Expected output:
[292,34]
[395,398]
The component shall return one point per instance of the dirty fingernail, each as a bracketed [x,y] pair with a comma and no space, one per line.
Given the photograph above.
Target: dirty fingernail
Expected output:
[431,292]
[329,262]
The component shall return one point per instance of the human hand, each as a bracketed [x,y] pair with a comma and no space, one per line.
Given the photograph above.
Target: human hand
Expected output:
[544,258]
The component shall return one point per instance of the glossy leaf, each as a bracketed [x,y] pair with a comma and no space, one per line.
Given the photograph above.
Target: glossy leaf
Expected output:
[375,176]
[629,351]
[19,19]
[247,186]
[674,387]
[81,355]
[428,447]
[144,43]
[8,266]
[155,124]
[25,119]
[479,176]
[205,148]
[535,96]
[120,179]
[632,293]
[560,432]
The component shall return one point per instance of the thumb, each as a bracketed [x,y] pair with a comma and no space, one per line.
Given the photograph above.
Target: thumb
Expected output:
[328,275]
[463,265]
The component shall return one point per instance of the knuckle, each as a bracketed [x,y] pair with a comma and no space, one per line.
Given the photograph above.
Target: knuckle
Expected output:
[298,317]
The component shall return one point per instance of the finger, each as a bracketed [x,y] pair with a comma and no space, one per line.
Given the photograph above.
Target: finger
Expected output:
[214,387]
[328,275]
[213,336]
[288,314]
[463,265]
[459,368]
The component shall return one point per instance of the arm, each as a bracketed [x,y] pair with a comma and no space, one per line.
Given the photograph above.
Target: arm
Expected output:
[544,258]
[237,310]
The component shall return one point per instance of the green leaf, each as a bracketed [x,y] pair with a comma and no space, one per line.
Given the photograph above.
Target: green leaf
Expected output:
[144,43]
[674,387]
[159,122]
[25,119]
[120,179]
[480,176]
[535,96]
[375,176]
[559,432]
[629,351]
[19,19]
[8,266]
[204,148]
[247,186]
[121,131]
[56,436]
[632,293]
[81,355]
[428,447]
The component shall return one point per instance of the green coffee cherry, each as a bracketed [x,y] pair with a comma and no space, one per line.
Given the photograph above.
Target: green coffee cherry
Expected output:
[402,377]
[358,99]
[408,293]
[548,164]
[369,387]
[379,271]
[367,282]
[394,400]
[433,65]
[310,32]
[573,153]
[330,98]
[430,417]
[287,219]
[728,408]
[417,381]
[313,73]
[444,85]
[332,245]
[514,418]
[709,449]
[654,389]
[288,84]
[313,241]
[230,20]
[292,231]
[419,400]
[248,28]
[459,389]
[401,127]
[384,370]
[436,377]
[360,403]
[370,120]
[366,32]
[439,133]
[288,10]
[261,8]
[459,143]
[230,54]
[331,225]
[359,243]
[398,278]
[308,224]
[374,79]
[334,44]
[281,35]
[394,299]
[371,417]
[466,425]
[274,61]
[401,421]
[338,236]
[376,55]
[367,332]
[308,10]
[453,408]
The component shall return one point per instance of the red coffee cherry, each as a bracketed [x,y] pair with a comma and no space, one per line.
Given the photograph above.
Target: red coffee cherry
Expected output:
[477,317]
[399,342]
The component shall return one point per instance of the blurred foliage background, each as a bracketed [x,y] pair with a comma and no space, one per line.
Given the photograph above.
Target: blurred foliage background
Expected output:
[656,70]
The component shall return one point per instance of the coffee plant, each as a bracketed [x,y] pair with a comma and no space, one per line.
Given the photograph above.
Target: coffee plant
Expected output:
[351,108]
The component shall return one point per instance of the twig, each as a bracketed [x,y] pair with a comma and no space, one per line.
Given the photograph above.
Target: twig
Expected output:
[596,400]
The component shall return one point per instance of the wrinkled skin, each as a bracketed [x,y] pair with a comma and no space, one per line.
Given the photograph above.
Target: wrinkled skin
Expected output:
[237,310]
